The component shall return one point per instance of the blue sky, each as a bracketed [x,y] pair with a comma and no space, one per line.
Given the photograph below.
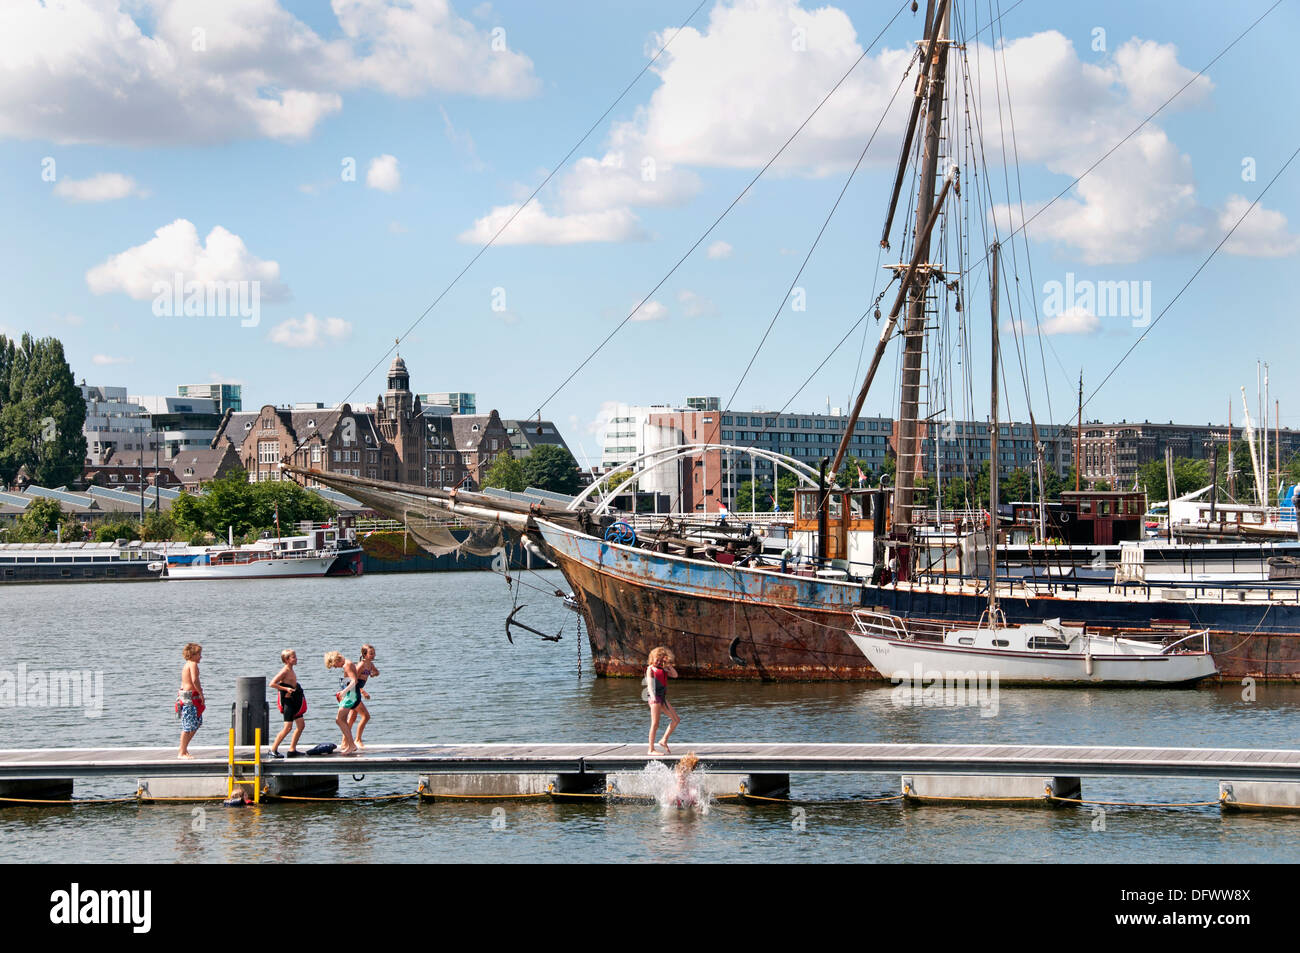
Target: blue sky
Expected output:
[250,133]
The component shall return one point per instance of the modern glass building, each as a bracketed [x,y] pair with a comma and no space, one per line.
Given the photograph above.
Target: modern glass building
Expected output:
[227,396]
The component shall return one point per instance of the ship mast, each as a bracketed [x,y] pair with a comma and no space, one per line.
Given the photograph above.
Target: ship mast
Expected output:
[908,442]
[993,441]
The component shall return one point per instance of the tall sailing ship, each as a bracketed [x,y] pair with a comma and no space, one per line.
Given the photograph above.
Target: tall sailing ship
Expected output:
[726,616]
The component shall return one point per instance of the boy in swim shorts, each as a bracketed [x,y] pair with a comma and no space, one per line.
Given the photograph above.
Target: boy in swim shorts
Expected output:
[189,700]
[293,704]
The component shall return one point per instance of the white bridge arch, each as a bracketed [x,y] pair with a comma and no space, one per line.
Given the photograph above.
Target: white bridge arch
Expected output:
[665,455]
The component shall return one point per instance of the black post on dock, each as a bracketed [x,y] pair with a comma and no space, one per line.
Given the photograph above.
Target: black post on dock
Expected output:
[250,710]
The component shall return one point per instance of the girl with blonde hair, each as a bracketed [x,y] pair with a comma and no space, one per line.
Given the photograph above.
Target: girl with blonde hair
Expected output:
[657,673]
[348,697]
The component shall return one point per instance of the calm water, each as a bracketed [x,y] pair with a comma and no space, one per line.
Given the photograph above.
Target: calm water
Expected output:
[450,675]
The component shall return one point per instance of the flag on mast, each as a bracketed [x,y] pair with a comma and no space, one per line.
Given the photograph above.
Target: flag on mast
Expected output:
[862,477]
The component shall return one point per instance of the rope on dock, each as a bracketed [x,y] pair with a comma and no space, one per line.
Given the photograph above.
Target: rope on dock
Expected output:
[1077,800]
[817,803]
[82,800]
[358,797]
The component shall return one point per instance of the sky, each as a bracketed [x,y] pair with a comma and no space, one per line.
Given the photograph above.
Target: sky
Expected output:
[340,165]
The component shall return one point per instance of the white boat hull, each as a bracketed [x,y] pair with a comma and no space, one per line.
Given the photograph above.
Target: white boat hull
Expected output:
[899,658]
[254,569]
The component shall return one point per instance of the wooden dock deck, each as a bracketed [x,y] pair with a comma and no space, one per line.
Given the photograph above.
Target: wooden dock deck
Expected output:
[739,758]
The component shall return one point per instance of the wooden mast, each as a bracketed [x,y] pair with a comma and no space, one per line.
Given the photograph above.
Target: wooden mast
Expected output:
[908,442]
[993,442]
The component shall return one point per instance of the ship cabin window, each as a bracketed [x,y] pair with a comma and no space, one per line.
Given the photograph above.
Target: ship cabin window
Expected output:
[300,544]
[1047,642]
[965,640]
[856,506]
[1103,508]
[1085,506]
[808,505]
[836,505]
[1001,643]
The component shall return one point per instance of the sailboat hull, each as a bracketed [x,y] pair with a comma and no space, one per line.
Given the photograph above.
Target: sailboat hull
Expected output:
[726,622]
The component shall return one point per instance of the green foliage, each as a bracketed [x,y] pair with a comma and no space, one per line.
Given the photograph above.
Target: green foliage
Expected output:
[551,467]
[505,472]
[157,527]
[108,532]
[1189,475]
[42,413]
[38,523]
[248,507]
[72,530]
[954,495]
[1015,488]
[848,475]
[786,485]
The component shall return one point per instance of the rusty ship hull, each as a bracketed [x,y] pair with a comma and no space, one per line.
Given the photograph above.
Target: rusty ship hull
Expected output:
[727,622]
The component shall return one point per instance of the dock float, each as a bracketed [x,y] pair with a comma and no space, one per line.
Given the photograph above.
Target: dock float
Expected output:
[1249,778]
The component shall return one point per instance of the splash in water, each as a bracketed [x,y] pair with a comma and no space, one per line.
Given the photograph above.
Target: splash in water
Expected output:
[684,788]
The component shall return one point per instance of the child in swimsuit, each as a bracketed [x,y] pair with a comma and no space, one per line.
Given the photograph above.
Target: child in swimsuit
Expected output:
[293,704]
[359,717]
[687,795]
[348,698]
[657,673]
[189,700]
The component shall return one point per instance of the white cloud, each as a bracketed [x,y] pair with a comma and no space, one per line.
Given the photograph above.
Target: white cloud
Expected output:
[619,179]
[397,228]
[169,72]
[104,360]
[104,187]
[175,250]
[694,305]
[1262,234]
[1073,320]
[462,141]
[384,174]
[597,425]
[535,226]
[650,311]
[719,250]
[310,331]
[216,378]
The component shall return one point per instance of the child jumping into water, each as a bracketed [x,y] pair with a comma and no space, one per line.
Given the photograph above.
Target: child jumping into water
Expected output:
[348,698]
[686,795]
[359,717]
[189,700]
[293,704]
[657,673]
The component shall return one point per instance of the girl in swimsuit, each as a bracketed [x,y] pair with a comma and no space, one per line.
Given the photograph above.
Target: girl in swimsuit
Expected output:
[657,673]
[348,698]
[358,717]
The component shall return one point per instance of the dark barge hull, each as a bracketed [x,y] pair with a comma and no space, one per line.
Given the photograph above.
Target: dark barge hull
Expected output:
[722,622]
[124,571]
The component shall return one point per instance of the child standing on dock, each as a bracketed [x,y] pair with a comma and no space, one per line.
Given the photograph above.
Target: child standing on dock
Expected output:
[189,700]
[358,717]
[292,702]
[348,697]
[657,673]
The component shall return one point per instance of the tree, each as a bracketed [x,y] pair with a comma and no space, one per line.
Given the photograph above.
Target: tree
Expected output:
[38,523]
[247,508]
[954,495]
[551,467]
[786,484]
[110,532]
[505,472]
[157,527]
[1189,475]
[1016,487]
[848,475]
[42,413]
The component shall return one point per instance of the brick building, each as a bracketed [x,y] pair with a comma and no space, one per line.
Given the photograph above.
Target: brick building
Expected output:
[395,442]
